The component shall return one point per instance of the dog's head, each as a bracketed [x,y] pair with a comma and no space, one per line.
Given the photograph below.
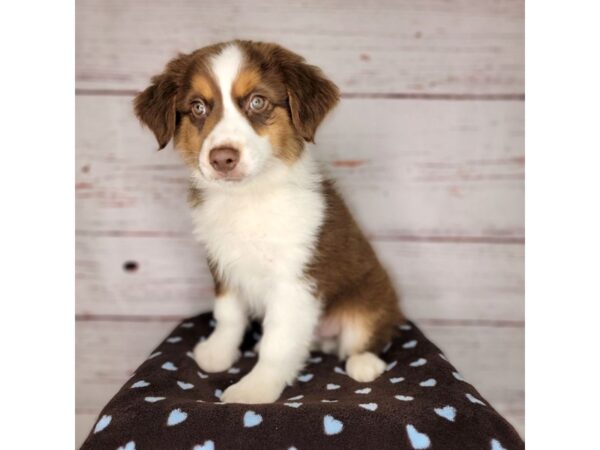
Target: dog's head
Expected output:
[236,109]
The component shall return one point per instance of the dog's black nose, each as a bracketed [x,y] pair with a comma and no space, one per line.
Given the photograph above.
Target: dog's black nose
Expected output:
[224,159]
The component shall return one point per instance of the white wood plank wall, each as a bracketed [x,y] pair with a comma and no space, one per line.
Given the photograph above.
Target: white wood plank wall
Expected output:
[426,145]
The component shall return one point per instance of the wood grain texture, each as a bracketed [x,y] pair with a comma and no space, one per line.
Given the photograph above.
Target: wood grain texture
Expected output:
[108,352]
[83,425]
[412,169]
[437,280]
[426,145]
[388,46]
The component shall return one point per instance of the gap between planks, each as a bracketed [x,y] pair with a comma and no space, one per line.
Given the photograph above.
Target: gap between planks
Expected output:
[369,95]
[511,240]
[178,318]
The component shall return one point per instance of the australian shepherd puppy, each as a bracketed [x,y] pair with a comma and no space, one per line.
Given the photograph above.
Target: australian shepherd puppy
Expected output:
[281,244]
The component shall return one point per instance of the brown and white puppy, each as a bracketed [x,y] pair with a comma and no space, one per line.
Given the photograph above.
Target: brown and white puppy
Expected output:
[281,244]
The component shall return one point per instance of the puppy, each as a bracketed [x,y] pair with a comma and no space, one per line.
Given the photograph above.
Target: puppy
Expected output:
[281,244]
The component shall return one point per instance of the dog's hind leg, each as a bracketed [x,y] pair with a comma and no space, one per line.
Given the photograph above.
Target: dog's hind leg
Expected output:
[361,365]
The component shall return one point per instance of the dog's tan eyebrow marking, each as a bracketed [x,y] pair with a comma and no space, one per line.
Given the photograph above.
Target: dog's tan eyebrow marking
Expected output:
[245,82]
[202,86]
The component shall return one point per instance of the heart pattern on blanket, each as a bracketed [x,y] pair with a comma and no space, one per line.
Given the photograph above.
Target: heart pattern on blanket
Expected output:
[293,404]
[409,344]
[418,440]
[447,412]
[418,363]
[252,419]
[208,445]
[458,376]
[473,399]
[176,417]
[185,386]
[171,391]
[169,366]
[496,445]
[428,383]
[129,446]
[306,377]
[431,382]
[339,370]
[369,406]
[102,423]
[332,426]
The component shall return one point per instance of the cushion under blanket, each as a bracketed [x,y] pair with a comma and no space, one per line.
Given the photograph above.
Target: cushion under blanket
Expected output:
[420,402]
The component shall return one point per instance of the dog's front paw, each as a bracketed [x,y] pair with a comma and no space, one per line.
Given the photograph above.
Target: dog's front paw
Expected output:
[251,390]
[213,357]
[364,367]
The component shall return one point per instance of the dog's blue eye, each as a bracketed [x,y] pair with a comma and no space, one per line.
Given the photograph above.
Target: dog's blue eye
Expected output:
[199,108]
[257,103]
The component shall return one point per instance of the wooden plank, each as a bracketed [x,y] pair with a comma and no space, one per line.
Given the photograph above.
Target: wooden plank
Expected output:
[437,280]
[428,46]
[107,353]
[489,357]
[83,425]
[412,168]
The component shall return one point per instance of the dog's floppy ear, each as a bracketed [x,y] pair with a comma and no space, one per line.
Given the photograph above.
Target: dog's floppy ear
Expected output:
[310,94]
[156,106]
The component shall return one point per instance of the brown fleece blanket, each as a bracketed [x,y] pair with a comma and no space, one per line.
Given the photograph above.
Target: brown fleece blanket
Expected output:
[420,402]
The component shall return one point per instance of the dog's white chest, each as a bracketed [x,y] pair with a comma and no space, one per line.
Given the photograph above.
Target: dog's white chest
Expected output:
[259,239]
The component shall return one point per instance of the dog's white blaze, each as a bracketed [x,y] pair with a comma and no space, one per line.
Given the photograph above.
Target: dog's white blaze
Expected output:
[233,128]
[261,232]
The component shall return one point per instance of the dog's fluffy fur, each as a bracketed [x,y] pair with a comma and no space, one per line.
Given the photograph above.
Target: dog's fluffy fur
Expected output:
[281,244]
